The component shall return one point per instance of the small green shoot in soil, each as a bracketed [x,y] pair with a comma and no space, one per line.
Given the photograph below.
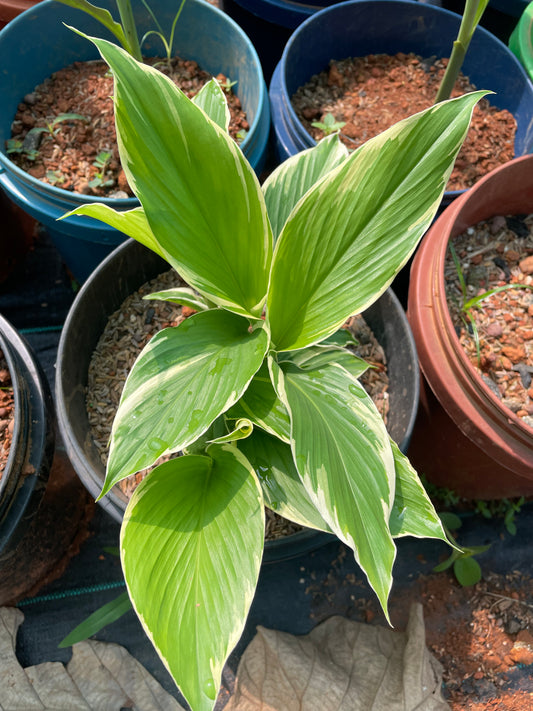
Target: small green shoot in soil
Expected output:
[15,145]
[101,162]
[466,569]
[52,127]
[55,177]
[468,304]
[227,85]
[329,125]
[505,509]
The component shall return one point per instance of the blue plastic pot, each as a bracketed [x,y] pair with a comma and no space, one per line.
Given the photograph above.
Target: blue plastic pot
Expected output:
[36,44]
[361,27]
[269,23]
[500,17]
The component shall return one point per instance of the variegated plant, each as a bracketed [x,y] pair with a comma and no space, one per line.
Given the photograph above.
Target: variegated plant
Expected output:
[257,388]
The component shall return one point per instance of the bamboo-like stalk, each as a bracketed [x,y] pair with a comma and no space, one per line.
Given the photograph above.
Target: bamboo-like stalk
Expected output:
[472,14]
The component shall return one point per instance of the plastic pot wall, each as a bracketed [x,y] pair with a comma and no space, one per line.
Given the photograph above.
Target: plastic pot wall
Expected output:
[103,293]
[361,27]
[9,9]
[23,481]
[204,34]
[464,438]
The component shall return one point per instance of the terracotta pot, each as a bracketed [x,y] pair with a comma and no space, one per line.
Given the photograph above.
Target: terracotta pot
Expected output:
[9,9]
[464,438]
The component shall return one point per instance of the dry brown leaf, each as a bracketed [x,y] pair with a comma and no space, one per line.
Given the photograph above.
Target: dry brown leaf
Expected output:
[341,665]
[99,677]
[55,688]
[16,691]
[118,670]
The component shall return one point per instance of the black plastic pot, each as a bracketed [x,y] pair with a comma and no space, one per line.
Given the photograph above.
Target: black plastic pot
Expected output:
[23,481]
[121,274]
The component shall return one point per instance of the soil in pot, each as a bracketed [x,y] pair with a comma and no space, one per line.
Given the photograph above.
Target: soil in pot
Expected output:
[497,335]
[369,94]
[6,412]
[81,155]
[131,327]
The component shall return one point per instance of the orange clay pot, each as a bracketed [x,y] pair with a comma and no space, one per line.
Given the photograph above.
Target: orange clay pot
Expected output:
[464,438]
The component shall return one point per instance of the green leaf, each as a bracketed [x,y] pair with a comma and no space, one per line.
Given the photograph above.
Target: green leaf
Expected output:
[183,380]
[191,543]
[314,357]
[262,406]
[343,455]
[353,231]
[413,513]
[243,428]
[212,100]
[448,562]
[184,296]
[467,571]
[132,223]
[103,16]
[283,489]
[343,337]
[99,619]
[221,247]
[450,520]
[293,178]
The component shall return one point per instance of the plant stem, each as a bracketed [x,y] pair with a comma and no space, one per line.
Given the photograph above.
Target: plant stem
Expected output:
[471,17]
[130,31]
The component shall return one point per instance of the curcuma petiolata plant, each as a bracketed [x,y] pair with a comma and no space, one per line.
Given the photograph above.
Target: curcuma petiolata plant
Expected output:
[257,389]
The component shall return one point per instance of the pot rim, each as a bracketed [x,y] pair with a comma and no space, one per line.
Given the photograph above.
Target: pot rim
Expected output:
[71,198]
[429,314]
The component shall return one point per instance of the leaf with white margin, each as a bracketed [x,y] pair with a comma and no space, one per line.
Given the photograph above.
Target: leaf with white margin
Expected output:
[293,178]
[242,429]
[343,455]
[412,514]
[263,407]
[212,100]
[183,296]
[191,547]
[283,489]
[314,357]
[353,231]
[200,195]
[132,223]
[184,378]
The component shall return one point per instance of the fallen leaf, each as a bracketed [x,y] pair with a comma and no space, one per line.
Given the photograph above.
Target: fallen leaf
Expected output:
[99,677]
[341,665]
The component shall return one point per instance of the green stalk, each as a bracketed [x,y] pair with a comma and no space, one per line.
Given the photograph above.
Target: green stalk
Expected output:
[472,15]
[130,31]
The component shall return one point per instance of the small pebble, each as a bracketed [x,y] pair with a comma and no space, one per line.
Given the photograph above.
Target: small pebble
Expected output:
[494,329]
[526,265]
